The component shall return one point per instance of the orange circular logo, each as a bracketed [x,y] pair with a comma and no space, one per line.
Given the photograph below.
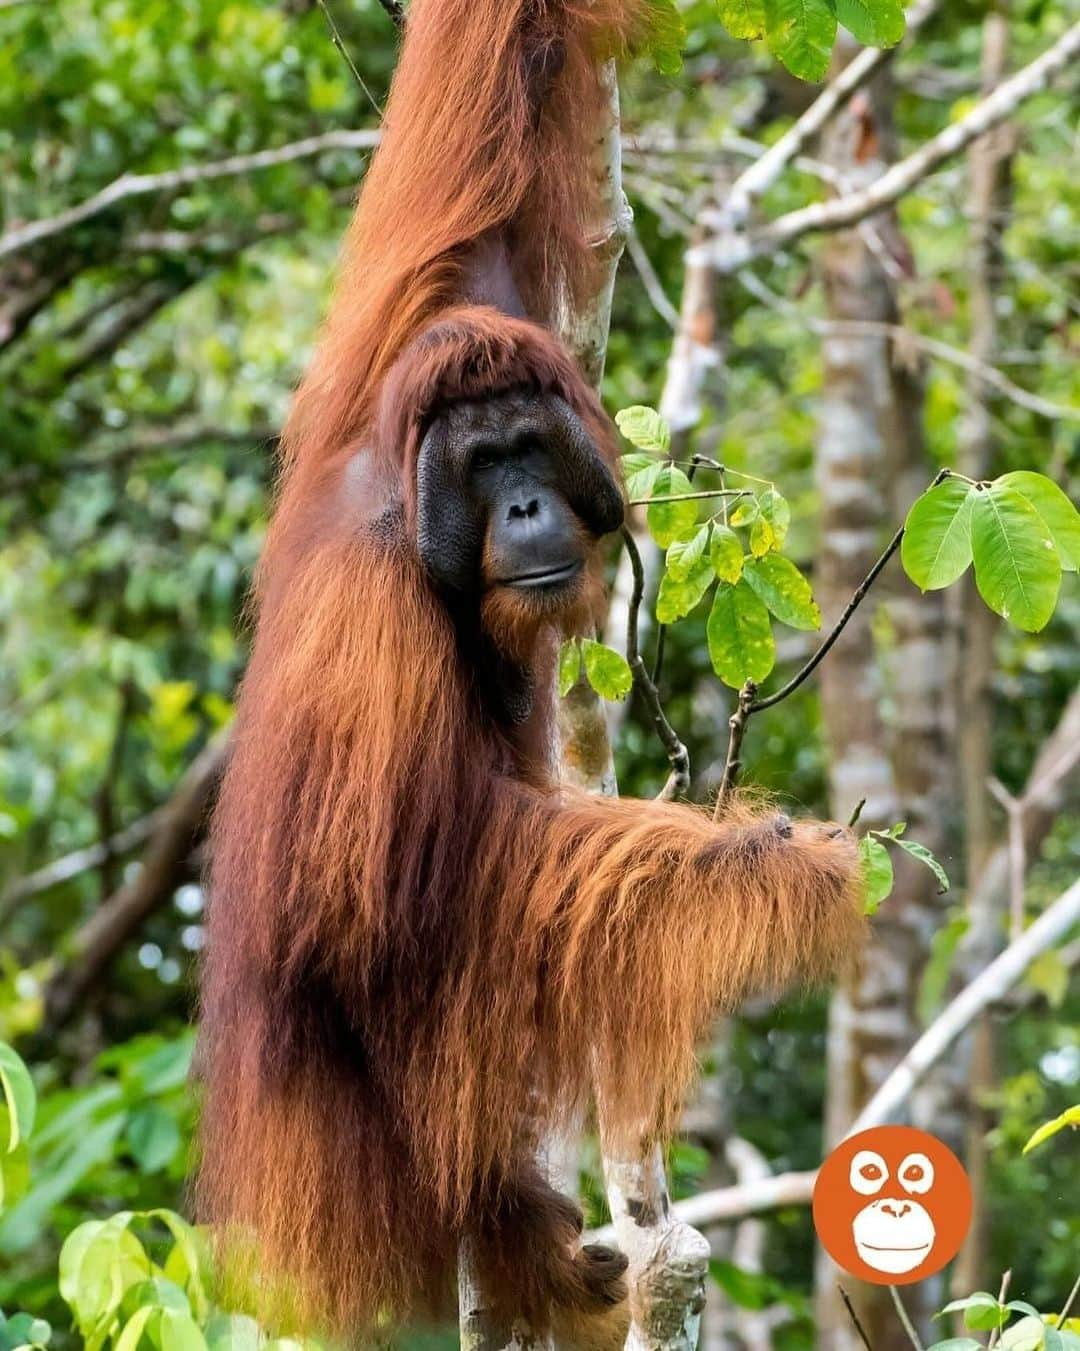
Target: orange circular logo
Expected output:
[892,1205]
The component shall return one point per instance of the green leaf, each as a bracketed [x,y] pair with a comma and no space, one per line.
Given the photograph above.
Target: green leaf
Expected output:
[569,666]
[14,1173]
[608,671]
[775,510]
[671,521]
[19,1096]
[762,538]
[936,548]
[1017,569]
[746,511]
[981,1311]
[1049,974]
[743,18]
[957,1344]
[179,1332]
[677,597]
[684,555]
[645,428]
[783,588]
[938,966]
[877,873]
[739,635]
[187,1260]
[927,859]
[153,1137]
[135,1327]
[666,36]
[642,472]
[1070,1117]
[726,553]
[874,23]
[234,1332]
[1059,514]
[801,33]
[1026,1335]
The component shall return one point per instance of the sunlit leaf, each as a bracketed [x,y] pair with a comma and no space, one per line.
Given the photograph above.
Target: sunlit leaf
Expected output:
[153,1137]
[671,521]
[1070,1117]
[762,538]
[800,34]
[936,548]
[684,555]
[1029,1334]
[569,666]
[1058,513]
[877,873]
[608,671]
[774,509]
[783,588]
[642,472]
[725,550]
[1017,568]
[666,36]
[678,596]
[743,18]
[739,635]
[645,428]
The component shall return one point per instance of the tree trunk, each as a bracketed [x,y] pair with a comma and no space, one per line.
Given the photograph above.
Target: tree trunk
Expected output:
[870,465]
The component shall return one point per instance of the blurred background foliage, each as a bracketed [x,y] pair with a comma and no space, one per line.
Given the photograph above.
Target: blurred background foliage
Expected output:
[146,362]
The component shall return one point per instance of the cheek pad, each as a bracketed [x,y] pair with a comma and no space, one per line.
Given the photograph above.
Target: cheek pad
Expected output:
[449,523]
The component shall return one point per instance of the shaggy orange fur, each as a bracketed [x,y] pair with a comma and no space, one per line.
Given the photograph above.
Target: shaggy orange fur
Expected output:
[422,952]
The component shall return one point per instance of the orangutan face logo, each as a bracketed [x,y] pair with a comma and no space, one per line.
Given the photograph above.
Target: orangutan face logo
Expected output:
[894,1233]
[892,1205]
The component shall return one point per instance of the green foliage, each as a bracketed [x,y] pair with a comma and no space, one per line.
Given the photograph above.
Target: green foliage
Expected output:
[606,670]
[877,867]
[1033,1331]
[739,633]
[1020,530]
[801,33]
[20,1100]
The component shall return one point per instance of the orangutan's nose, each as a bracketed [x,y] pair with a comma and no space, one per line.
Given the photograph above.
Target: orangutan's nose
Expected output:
[897,1209]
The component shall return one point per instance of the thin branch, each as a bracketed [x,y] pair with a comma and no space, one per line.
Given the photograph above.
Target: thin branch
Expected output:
[988,988]
[1003,1290]
[339,43]
[955,356]
[737,725]
[854,1317]
[764,172]
[902,1314]
[729,251]
[129,186]
[678,756]
[689,497]
[654,288]
[76,863]
[1069,1303]
[164,866]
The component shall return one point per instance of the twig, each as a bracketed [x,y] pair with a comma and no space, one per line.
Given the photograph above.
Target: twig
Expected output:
[853,819]
[690,497]
[727,252]
[1003,1290]
[678,756]
[943,351]
[749,704]
[737,725]
[654,288]
[854,1317]
[339,43]
[988,987]
[1069,1303]
[127,186]
[902,1313]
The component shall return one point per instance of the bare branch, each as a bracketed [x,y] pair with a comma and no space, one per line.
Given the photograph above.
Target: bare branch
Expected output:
[764,172]
[678,756]
[129,186]
[164,866]
[654,288]
[76,863]
[729,251]
[907,337]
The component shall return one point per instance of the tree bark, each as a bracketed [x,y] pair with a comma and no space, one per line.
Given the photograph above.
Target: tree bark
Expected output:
[870,465]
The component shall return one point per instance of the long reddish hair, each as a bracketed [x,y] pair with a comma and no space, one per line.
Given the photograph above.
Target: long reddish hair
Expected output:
[422,953]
